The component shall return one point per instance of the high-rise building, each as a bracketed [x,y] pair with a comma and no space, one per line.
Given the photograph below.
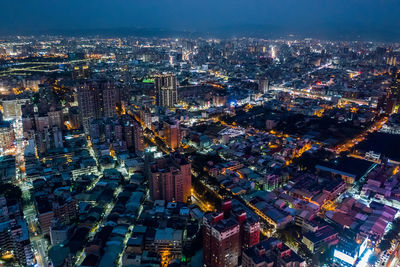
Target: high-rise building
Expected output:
[74,118]
[219,98]
[49,207]
[87,107]
[138,137]
[7,169]
[170,178]
[56,118]
[14,234]
[12,108]
[166,90]
[41,122]
[7,135]
[133,134]
[57,137]
[263,85]
[58,232]
[118,132]
[391,60]
[96,99]
[48,138]
[128,135]
[172,133]
[109,99]
[221,241]
[95,129]
[226,234]
[395,86]
[80,72]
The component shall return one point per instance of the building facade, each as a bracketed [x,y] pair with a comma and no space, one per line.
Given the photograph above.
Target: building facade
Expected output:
[96,99]
[172,134]
[226,234]
[170,178]
[166,90]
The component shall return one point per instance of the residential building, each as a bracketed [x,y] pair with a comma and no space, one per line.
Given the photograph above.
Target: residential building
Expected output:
[166,90]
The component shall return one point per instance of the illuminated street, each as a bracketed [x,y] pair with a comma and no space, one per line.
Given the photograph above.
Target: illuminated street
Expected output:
[200,133]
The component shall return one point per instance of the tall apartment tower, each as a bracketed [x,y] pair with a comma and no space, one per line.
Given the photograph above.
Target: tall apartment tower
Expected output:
[263,85]
[166,90]
[109,99]
[14,233]
[395,86]
[228,233]
[132,133]
[138,137]
[87,107]
[56,118]
[7,135]
[96,99]
[221,246]
[170,178]
[172,133]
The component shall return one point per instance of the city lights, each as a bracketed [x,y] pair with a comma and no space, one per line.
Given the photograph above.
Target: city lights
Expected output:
[248,145]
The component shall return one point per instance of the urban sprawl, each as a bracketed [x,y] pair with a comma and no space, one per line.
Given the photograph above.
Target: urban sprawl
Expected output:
[199,152]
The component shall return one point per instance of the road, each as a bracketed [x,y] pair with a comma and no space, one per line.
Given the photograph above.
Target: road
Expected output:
[361,137]
[196,199]
[394,259]
[41,246]
[38,243]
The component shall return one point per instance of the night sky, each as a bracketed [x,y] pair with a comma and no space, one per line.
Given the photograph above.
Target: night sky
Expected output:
[374,18]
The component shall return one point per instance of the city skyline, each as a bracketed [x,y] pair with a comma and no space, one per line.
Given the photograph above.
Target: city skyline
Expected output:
[219,133]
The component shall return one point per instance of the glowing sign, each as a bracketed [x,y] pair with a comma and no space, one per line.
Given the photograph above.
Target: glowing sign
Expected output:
[151,149]
[344,257]
[363,247]
[148,81]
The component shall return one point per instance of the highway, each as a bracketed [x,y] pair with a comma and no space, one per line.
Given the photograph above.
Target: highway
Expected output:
[39,66]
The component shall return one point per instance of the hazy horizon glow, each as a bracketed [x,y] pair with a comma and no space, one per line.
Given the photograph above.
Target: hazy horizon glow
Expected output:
[306,16]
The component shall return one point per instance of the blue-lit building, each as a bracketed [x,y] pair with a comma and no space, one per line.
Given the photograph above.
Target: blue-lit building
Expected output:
[349,253]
